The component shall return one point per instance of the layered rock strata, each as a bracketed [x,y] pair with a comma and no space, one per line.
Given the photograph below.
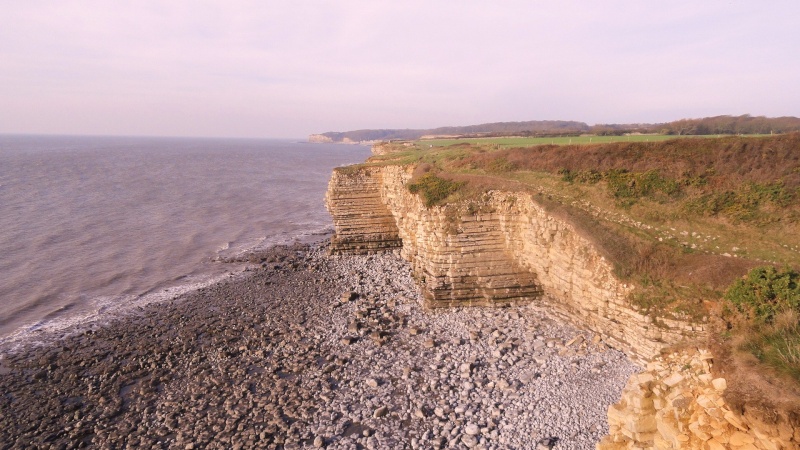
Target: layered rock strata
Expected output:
[677,403]
[362,220]
[503,248]
[506,248]
[460,260]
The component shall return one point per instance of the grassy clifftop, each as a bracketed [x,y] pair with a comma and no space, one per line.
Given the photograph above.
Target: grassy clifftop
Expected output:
[684,220]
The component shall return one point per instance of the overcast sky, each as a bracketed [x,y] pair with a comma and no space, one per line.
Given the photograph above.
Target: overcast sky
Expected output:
[287,69]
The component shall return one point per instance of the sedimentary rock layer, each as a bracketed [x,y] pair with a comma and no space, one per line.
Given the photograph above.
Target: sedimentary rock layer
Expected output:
[362,220]
[506,248]
[678,404]
[503,248]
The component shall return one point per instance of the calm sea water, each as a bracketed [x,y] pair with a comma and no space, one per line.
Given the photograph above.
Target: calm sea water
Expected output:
[90,225]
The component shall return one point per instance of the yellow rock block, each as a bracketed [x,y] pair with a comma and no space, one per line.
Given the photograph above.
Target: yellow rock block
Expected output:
[722,437]
[717,432]
[642,403]
[767,444]
[714,444]
[745,447]
[616,415]
[697,430]
[645,378]
[785,431]
[705,401]
[659,443]
[640,424]
[667,428]
[739,439]
[734,420]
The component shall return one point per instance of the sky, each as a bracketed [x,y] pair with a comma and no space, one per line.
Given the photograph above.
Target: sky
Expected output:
[286,69]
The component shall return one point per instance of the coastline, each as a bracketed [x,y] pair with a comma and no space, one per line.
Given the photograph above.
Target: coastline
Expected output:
[276,359]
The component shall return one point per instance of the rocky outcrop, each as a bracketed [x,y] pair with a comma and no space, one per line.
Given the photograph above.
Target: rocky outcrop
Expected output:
[319,139]
[503,248]
[678,404]
[579,282]
[362,220]
[460,260]
[507,248]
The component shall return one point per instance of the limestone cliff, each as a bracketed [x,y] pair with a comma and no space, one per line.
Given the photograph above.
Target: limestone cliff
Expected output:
[507,248]
[362,220]
[504,248]
[319,139]
[677,403]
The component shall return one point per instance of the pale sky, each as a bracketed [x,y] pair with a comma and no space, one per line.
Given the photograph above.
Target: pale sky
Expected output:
[291,68]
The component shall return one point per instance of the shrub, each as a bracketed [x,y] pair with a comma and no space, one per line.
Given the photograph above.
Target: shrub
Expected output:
[433,188]
[624,184]
[765,293]
[767,302]
[746,203]
[501,165]
[778,346]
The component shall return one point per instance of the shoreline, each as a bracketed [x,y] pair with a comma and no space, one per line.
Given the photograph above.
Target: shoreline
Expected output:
[106,309]
[276,359]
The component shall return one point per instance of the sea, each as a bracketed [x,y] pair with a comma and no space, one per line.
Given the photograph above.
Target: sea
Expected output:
[92,227]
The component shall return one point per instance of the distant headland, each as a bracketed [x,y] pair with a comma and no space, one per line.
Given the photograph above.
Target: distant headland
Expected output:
[744,124]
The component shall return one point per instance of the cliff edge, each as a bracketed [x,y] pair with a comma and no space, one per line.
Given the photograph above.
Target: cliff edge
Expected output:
[501,245]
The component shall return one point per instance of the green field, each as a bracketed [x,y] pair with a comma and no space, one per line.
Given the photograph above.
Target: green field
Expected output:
[531,141]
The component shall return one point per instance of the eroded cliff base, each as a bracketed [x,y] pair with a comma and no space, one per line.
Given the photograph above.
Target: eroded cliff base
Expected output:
[478,229]
[310,351]
[678,403]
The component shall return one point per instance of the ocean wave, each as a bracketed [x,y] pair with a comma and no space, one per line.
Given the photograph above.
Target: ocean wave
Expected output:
[104,310]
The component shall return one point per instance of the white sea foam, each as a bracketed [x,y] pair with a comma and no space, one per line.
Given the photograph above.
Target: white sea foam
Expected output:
[88,225]
[103,311]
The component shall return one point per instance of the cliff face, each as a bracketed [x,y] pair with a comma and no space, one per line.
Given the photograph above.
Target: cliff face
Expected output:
[459,260]
[503,249]
[506,248]
[319,139]
[677,404]
[362,219]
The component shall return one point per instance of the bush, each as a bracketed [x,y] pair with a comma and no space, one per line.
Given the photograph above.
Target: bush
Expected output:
[779,345]
[501,165]
[433,188]
[767,303]
[746,203]
[624,184]
[584,176]
[765,293]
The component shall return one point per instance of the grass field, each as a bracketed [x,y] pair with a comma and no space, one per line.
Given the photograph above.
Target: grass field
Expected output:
[529,141]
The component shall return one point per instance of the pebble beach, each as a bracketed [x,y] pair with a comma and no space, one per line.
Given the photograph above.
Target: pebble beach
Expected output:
[308,350]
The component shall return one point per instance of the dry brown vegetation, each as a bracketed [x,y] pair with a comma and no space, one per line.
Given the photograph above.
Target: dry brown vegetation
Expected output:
[724,162]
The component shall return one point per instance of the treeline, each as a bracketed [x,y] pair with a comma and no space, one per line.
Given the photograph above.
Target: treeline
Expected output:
[745,124]
[534,127]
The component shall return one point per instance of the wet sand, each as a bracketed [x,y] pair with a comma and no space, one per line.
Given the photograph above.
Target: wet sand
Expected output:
[307,350]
